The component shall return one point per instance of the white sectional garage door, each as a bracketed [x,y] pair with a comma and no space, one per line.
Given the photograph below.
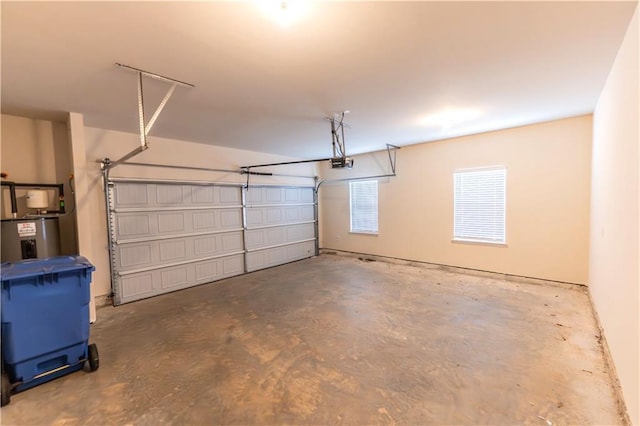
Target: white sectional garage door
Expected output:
[280,225]
[170,236]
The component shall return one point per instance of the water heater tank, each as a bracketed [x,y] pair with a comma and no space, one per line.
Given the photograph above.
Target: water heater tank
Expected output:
[35,238]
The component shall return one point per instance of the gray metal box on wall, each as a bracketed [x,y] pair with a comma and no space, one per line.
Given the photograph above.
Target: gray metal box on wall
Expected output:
[33,238]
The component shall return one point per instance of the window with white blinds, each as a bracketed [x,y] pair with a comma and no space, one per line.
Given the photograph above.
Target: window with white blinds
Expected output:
[363,197]
[479,205]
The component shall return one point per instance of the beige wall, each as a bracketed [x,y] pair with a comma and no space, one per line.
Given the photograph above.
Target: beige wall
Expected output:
[37,151]
[614,264]
[101,143]
[548,173]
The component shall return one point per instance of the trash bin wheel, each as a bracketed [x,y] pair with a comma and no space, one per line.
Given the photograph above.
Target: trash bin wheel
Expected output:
[6,389]
[94,358]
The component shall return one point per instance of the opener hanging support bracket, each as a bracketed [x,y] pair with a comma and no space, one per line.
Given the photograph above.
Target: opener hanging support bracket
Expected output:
[337,134]
[392,159]
[145,127]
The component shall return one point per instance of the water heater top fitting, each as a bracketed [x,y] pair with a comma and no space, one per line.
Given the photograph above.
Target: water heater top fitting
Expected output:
[37,199]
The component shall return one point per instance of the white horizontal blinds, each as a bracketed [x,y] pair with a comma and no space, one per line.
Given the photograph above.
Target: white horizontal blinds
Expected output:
[479,205]
[364,206]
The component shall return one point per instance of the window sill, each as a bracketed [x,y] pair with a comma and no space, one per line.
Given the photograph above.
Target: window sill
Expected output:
[479,243]
[374,234]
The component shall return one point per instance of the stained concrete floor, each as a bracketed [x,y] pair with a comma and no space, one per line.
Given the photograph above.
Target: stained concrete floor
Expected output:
[335,340]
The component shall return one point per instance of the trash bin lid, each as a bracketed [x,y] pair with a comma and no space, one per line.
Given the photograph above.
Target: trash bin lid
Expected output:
[51,265]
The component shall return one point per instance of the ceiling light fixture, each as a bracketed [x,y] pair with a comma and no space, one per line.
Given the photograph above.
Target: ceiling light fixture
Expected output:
[284,13]
[450,117]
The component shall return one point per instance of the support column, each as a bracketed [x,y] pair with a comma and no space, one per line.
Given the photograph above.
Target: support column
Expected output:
[75,122]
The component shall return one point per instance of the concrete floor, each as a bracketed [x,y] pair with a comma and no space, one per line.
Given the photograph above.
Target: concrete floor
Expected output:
[334,340]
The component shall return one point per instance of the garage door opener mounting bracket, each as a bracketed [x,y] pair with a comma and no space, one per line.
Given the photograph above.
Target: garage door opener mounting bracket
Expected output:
[338,161]
[106,163]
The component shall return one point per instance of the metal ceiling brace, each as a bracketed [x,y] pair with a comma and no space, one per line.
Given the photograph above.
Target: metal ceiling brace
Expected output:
[145,128]
[392,162]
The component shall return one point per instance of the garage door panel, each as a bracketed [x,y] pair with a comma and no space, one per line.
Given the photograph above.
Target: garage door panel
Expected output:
[218,195]
[280,225]
[205,220]
[231,242]
[170,194]
[134,225]
[307,213]
[255,239]
[230,219]
[228,195]
[131,195]
[256,261]
[171,222]
[132,256]
[207,271]
[176,277]
[152,196]
[301,250]
[273,215]
[265,237]
[210,220]
[264,216]
[167,224]
[279,195]
[136,286]
[204,246]
[266,258]
[273,195]
[232,266]
[292,195]
[172,250]
[202,195]
[300,232]
[135,255]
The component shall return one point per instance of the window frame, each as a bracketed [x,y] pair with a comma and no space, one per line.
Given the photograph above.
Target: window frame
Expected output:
[353,230]
[478,239]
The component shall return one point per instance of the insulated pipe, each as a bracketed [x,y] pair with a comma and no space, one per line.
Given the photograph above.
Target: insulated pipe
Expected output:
[12,195]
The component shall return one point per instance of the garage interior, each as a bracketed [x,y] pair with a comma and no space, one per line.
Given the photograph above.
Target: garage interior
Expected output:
[273,196]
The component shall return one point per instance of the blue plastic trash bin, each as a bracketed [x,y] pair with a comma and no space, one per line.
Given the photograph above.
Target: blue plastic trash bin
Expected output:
[45,321]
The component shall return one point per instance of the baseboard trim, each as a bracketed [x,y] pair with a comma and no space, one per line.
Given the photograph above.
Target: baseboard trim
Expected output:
[104,300]
[623,412]
[456,269]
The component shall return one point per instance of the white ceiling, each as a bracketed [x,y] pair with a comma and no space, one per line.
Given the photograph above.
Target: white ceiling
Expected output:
[264,87]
